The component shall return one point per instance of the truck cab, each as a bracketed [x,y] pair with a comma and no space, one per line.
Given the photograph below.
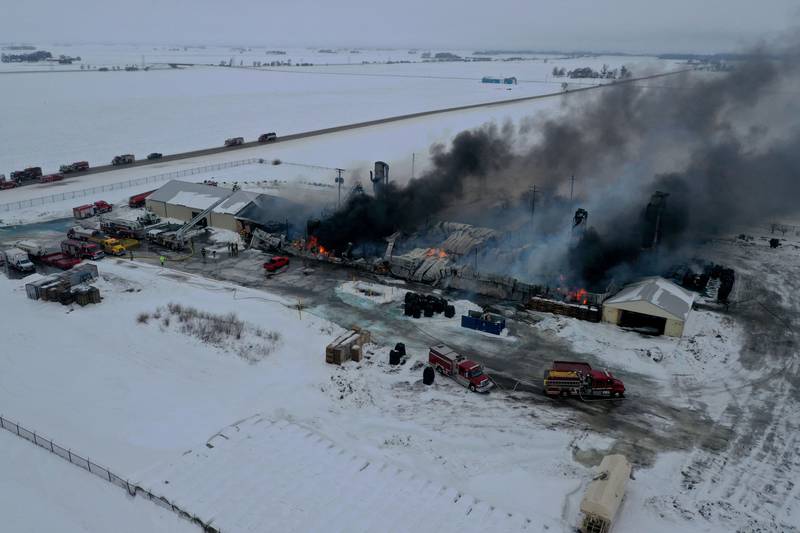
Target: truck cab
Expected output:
[470,374]
[18,259]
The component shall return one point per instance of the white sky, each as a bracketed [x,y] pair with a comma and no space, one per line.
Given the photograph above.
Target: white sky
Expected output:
[624,25]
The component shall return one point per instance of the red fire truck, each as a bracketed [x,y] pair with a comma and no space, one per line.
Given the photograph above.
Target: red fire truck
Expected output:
[80,249]
[570,378]
[468,373]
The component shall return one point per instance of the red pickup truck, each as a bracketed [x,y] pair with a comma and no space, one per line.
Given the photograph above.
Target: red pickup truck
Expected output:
[467,373]
[276,263]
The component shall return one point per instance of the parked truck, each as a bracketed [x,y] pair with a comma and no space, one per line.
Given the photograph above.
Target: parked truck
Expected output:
[234,141]
[6,184]
[571,378]
[28,174]
[81,249]
[33,249]
[83,211]
[77,166]
[59,260]
[124,159]
[137,200]
[49,178]
[79,233]
[119,227]
[464,371]
[19,260]
[267,137]
[101,206]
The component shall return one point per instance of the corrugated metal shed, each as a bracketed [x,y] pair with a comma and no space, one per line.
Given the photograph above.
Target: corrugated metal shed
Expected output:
[672,300]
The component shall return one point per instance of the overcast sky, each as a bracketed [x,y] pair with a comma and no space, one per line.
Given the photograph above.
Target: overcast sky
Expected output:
[625,25]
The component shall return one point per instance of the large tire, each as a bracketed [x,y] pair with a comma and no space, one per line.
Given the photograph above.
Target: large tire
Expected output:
[417,312]
[394,357]
[428,311]
[400,348]
[450,311]
[471,387]
[408,310]
[428,375]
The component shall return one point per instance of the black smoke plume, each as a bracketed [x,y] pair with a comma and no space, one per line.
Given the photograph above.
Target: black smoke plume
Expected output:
[723,145]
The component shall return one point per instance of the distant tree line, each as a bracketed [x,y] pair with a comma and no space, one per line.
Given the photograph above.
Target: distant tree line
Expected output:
[33,57]
[587,72]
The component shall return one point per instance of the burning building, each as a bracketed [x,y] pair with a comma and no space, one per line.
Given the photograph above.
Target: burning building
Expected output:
[436,252]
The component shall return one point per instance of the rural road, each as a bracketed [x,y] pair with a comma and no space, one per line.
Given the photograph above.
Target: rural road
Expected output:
[357,125]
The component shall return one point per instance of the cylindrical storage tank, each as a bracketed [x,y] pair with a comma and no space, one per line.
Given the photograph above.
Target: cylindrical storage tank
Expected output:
[381,172]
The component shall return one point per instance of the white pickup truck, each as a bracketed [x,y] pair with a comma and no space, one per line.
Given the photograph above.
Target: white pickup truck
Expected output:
[18,259]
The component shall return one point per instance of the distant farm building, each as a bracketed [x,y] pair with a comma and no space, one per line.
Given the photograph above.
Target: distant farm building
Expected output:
[650,304]
[241,210]
[500,81]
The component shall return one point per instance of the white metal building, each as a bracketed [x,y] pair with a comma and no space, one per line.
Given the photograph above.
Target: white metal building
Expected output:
[650,303]
[185,200]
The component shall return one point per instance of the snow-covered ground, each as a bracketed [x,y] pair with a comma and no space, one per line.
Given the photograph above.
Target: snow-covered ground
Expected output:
[354,150]
[173,110]
[40,492]
[146,398]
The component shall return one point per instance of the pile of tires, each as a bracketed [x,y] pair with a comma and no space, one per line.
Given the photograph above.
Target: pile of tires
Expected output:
[428,375]
[396,356]
[417,305]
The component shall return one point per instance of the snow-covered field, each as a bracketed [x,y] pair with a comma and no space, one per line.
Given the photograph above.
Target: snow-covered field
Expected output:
[177,110]
[147,398]
[40,492]
[354,150]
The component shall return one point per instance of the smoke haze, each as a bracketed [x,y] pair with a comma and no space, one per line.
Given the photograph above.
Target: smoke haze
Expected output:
[723,145]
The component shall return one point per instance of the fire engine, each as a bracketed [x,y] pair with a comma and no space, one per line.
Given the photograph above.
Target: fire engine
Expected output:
[568,378]
[467,373]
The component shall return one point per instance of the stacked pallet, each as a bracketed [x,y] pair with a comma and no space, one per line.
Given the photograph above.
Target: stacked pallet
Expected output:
[347,347]
[581,312]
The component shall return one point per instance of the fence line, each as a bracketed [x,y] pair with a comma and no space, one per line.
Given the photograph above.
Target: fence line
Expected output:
[102,472]
[10,206]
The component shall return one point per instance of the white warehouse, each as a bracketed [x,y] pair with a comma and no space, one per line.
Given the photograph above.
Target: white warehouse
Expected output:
[653,303]
[185,200]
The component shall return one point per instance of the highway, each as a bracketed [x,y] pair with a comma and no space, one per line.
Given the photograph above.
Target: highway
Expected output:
[357,125]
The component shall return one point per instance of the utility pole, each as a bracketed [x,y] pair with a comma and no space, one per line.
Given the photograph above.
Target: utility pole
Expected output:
[413,158]
[533,192]
[571,188]
[339,181]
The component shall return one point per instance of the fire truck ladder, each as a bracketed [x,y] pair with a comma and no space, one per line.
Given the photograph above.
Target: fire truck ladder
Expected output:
[181,233]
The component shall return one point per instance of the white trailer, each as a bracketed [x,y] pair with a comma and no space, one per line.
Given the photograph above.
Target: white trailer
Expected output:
[604,495]
[33,249]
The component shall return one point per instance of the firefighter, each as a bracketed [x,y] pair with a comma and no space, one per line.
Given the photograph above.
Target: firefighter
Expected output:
[162,259]
[203,253]
[131,254]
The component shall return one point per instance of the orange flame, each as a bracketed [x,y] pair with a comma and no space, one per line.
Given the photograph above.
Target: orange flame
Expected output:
[436,252]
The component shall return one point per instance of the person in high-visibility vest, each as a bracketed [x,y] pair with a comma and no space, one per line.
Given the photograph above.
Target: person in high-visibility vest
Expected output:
[162,259]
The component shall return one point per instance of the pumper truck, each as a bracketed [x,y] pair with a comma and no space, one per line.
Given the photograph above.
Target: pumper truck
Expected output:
[467,373]
[570,378]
